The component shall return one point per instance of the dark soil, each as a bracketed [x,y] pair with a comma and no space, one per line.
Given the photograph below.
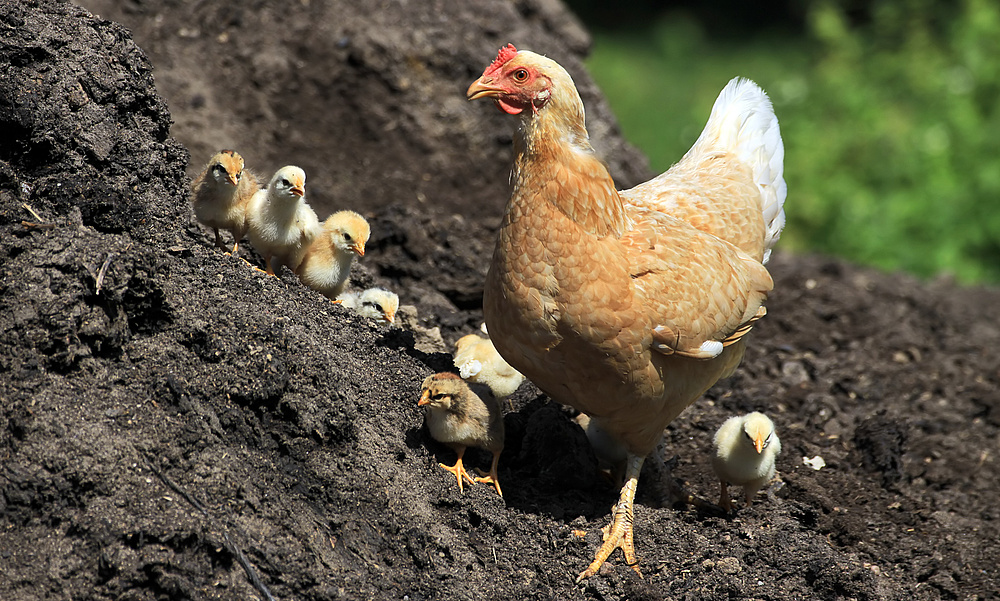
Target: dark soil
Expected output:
[174,425]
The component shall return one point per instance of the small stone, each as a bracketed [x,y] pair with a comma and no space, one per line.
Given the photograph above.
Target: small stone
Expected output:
[730,565]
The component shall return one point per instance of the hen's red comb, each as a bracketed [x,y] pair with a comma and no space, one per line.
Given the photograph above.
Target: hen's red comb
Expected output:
[506,53]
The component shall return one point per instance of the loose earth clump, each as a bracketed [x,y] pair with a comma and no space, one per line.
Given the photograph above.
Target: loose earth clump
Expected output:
[174,424]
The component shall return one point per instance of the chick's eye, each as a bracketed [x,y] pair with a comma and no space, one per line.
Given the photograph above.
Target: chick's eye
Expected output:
[347,237]
[520,75]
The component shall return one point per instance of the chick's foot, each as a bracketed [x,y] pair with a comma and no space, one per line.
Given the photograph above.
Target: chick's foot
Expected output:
[459,470]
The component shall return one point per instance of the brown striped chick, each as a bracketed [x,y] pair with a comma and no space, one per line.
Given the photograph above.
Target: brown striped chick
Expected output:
[376,303]
[327,262]
[745,449]
[460,418]
[221,195]
[478,361]
[281,224]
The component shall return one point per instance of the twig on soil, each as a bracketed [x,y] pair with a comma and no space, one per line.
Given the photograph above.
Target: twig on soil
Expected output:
[230,545]
[39,223]
[103,272]
[28,208]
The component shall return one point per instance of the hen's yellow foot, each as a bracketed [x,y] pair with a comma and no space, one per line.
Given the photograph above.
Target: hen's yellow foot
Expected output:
[618,534]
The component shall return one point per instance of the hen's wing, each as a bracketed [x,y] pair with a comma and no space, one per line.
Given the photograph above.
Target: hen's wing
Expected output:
[703,293]
[730,183]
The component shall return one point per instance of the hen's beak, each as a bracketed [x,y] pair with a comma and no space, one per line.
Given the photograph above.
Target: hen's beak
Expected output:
[359,248]
[483,88]
[425,398]
[758,443]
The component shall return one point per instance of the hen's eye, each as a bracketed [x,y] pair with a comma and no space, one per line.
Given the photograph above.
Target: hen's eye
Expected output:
[520,76]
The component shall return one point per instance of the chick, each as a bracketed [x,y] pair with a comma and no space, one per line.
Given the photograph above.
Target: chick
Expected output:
[478,361]
[745,449]
[611,453]
[281,224]
[377,303]
[221,194]
[327,262]
[460,418]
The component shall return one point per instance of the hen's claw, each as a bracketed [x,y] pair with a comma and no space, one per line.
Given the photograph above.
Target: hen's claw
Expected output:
[618,534]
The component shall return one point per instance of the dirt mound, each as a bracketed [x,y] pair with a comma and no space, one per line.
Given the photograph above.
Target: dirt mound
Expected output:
[174,424]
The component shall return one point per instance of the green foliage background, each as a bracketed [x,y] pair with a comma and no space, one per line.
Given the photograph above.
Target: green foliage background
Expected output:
[891,122]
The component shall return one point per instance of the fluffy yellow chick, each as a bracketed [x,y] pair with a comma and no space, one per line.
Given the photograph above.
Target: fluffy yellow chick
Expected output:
[281,224]
[745,449]
[221,194]
[376,303]
[478,361]
[460,418]
[327,262]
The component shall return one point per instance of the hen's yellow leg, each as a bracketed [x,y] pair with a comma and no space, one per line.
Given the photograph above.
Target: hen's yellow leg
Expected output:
[618,534]
[459,470]
[492,478]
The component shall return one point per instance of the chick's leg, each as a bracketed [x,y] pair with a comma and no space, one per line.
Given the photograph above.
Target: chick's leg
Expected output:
[724,500]
[618,534]
[492,477]
[459,470]
[218,239]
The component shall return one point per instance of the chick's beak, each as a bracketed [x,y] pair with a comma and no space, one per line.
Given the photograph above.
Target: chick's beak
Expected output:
[390,316]
[298,190]
[234,179]
[359,248]
[758,443]
[483,88]
[425,398]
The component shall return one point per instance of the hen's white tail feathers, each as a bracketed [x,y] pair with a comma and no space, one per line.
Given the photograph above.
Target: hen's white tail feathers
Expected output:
[743,122]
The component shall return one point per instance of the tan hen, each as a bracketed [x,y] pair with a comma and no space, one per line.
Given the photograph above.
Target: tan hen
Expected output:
[628,306]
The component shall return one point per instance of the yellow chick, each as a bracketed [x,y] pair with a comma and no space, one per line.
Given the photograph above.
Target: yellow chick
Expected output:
[221,194]
[327,262]
[478,361]
[460,418]
[745,449]
[376,303]
[281,224]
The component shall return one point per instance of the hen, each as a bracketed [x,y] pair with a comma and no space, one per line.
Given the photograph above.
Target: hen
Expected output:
[628,305]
